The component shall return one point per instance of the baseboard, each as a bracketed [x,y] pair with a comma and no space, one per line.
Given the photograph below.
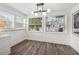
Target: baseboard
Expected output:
[49,42]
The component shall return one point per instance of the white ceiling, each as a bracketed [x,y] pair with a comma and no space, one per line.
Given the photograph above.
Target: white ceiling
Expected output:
[28,7]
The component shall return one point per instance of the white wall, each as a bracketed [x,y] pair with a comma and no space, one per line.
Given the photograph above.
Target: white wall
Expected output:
[4,44]
[74,37]
[61,38]
[12,38]
[15,36]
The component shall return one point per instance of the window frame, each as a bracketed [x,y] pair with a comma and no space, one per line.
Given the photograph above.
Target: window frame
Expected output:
[20,28]
[44,24]
[41,24]
[12,21]
[65,23]
[12,24]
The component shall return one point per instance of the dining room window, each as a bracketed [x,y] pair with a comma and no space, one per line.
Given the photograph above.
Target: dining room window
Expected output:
[19,22]
[35,24]
[55,24]
[6,21]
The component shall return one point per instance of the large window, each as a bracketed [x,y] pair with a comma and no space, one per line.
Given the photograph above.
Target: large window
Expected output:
[76,22]
[35,24]
[55,24]
[19,22]
[7,19]
[48,24]
[10,21]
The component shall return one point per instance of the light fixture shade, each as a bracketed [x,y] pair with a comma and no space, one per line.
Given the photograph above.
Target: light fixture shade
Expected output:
[36,14]
[44,13]
[40,8]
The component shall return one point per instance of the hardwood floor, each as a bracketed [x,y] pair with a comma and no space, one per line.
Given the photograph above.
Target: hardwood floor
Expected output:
[28,47]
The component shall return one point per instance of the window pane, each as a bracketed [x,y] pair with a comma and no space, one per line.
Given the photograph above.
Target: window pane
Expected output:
[19,22]
[55,24]
[7,19]
[35,24]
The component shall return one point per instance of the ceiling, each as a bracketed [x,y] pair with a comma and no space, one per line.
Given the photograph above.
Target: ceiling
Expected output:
[28,7]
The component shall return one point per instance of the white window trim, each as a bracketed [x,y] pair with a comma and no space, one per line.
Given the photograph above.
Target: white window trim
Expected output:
[65,30]
[28,24]
[44,24]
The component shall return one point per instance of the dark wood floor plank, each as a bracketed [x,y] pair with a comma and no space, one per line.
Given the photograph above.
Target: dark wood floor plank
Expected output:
[36,51]
[29,47]
[17,48]
[60,50]
[69,50]
[42,49]
[24,48]
[51,49]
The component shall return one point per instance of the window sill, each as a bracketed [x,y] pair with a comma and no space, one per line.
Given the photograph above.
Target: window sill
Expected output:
[12,30]
[47,32]
[56,32]
[18,29]
[35,31]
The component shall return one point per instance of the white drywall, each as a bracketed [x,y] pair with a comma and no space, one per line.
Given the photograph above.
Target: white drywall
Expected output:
[4,44]
[15,36]
[74,37]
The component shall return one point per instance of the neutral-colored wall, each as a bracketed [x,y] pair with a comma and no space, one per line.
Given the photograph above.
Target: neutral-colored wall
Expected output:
[4,44]
[61,38]
[74,37]
[14,36]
